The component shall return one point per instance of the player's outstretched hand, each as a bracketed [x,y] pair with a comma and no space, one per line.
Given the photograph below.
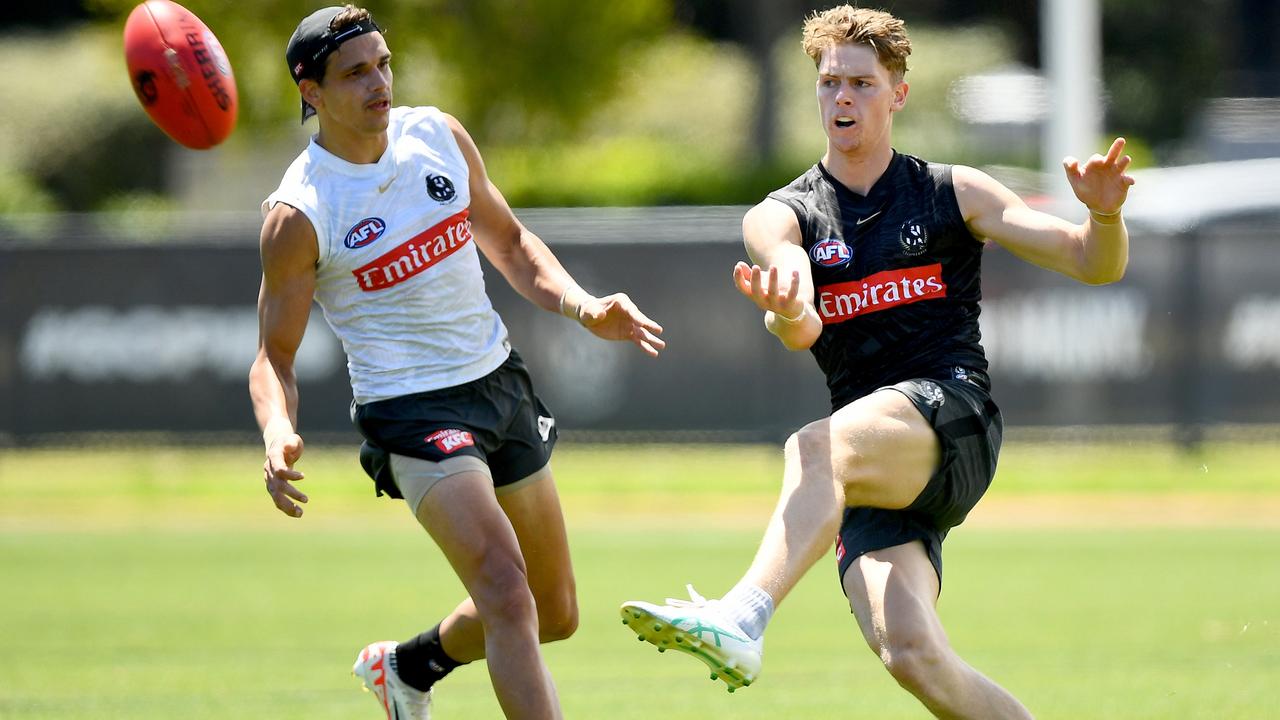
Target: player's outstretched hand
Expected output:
[615,317]
[1101,183]
[279,474]
[767,291]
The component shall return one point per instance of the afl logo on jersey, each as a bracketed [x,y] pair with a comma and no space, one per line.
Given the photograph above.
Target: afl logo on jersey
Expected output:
[831,252]
[914,238]
[364,232]
[440,188]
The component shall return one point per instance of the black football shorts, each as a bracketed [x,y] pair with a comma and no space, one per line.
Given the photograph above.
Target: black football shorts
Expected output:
[496,418]
[969,429]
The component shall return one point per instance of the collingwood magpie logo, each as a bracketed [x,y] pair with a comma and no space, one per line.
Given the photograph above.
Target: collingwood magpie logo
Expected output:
[914,238]
[932,394]
[440,188]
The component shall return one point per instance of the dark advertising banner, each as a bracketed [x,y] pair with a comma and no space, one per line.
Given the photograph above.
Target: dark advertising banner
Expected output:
[105,337]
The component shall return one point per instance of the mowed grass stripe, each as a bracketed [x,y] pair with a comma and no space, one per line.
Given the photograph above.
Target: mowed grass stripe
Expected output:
[1094,581]
[248,623]
[733,485]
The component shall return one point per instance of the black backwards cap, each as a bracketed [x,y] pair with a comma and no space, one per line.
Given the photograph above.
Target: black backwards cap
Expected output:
[313,42]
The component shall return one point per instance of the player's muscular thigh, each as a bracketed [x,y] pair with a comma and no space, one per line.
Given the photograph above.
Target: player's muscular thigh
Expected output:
[881,450]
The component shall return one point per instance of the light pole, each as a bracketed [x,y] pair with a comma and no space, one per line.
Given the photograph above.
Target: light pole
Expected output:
[1071,47]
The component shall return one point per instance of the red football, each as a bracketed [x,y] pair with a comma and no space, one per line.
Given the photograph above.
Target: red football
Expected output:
[180,73]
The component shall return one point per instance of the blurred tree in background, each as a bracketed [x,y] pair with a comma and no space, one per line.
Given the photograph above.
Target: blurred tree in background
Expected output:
[525,71]
[77,135]
[1160,61]
[511,69]
[529,73]
[579,103]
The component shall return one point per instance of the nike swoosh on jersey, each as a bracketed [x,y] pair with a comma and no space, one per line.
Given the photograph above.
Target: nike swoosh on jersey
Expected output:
[865,219]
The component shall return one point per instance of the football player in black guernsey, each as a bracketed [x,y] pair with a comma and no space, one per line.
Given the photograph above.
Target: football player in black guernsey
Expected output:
[871,260]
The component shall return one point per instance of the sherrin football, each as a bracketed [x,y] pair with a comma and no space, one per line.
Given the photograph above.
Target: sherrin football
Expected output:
[180,73]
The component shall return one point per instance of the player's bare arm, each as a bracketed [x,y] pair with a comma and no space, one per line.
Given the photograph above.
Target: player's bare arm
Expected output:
[1095,252]
[778,281]
[289,254]
[531,268]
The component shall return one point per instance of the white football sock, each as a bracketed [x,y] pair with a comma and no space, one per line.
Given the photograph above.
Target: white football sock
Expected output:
[750,607]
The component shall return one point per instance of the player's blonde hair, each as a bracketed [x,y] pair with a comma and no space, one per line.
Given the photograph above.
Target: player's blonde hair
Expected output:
[884,33]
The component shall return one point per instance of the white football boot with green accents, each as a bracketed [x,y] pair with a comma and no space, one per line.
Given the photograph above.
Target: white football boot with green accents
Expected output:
[375,666]
[698,628]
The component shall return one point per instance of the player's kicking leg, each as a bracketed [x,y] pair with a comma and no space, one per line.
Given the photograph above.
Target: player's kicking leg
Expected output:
[877,451]
[701,628]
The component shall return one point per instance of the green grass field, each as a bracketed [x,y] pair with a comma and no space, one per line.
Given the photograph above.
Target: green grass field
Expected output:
[1094,582]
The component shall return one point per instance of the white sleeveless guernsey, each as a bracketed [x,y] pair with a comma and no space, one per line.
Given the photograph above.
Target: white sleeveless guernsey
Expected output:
[398,276]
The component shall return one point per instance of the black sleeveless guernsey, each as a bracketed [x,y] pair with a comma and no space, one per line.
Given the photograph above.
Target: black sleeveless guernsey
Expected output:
[896,278]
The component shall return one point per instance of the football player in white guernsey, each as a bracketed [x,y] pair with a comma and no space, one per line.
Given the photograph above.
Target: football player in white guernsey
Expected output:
[379,221]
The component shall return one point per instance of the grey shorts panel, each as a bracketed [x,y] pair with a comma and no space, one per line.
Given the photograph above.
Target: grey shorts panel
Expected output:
[497,419]
[415,477]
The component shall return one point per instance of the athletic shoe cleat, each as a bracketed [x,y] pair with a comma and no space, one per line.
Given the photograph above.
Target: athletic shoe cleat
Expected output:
[376,666]
[696,627]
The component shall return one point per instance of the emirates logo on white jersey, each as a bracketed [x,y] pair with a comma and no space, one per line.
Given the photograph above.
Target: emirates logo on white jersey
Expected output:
[416,254]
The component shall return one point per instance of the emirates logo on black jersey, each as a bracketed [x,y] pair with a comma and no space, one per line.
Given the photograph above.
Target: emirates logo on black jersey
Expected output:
[914,238]
[839,302]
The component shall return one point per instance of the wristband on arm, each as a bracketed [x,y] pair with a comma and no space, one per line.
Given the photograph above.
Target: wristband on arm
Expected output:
[1102,218]
[804,310]
[572,311]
